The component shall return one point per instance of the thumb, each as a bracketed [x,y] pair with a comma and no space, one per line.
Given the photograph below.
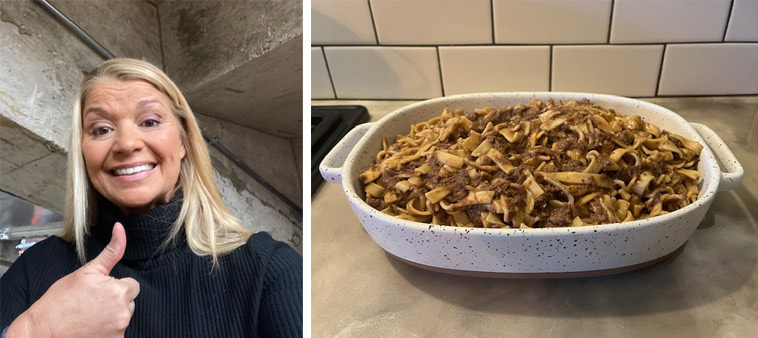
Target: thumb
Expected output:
[112,253]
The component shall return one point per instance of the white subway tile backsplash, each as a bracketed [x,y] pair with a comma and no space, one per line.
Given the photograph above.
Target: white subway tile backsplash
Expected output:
[619,70]
[321,85]
[495,69]
[551,21]
[647,21]
[425,22]
[341,22]
[710,69]
[415,49]
[384,72]
[743,25]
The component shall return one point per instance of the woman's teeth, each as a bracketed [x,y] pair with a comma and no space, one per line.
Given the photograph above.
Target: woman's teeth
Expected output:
[133,170]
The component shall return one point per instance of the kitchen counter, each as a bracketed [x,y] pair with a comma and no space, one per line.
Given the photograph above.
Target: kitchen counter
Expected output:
[708,289]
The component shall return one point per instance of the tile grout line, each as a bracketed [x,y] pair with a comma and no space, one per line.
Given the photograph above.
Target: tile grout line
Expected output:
[544,44]
[329,71]
[492,19]
[373,22]
[439,66]
[610,22]
[660,72]
[550,71]
[728,20]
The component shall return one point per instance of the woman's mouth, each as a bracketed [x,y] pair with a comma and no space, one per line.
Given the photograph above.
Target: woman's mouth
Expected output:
[133,170]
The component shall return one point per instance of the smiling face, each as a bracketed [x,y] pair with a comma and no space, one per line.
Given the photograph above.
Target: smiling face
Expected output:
[131,144]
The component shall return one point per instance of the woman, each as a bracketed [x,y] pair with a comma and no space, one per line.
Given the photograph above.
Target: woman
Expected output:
[148,247]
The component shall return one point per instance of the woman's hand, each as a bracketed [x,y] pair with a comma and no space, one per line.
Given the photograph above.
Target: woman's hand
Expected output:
[86,303]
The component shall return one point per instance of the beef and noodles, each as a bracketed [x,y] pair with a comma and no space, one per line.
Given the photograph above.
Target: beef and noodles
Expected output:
[539,165]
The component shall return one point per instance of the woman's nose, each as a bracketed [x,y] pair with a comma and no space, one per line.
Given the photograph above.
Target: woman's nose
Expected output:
[127,140]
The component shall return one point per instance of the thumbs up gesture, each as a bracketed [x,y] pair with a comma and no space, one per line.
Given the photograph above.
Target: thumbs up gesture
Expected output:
[86,303]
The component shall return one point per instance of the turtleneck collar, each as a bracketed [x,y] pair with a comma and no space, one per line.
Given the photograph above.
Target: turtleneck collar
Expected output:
[145,232]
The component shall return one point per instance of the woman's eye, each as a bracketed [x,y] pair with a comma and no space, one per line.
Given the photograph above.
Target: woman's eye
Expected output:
[100,131]
[151,123]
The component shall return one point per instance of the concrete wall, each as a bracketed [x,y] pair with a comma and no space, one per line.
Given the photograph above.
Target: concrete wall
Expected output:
[239,63]
[256,207]
[297,148]
[207,39]
[264,94]
[271,157]
[42,67]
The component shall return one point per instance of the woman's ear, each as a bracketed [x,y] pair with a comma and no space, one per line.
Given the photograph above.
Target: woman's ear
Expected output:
[182,151]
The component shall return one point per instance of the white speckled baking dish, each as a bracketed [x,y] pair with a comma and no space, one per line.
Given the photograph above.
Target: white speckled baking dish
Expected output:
[529,253]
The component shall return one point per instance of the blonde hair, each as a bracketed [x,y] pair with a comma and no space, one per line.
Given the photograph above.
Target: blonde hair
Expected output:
[210,228]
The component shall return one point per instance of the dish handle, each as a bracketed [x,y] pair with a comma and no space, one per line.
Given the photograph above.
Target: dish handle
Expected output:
[331,166]
[732,177]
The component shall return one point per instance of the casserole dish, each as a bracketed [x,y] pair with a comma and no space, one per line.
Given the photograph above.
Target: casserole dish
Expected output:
[529,253]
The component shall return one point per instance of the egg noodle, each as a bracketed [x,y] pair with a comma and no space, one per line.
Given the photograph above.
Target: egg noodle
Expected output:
[533,166]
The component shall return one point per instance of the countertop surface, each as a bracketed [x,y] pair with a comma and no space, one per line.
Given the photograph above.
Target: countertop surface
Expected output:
[710,289]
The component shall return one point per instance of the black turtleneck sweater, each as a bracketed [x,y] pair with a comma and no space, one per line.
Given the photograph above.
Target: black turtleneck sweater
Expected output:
[257,292]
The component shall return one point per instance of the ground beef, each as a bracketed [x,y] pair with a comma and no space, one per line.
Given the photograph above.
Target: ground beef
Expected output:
[376,203]
[572,165]
[625,174]
[559,217]
[457,183]
[599,214]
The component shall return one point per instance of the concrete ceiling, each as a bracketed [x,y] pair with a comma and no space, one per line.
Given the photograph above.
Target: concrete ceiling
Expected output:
[264,93]
[238,61]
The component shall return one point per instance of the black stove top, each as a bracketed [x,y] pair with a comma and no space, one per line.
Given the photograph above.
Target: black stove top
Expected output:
[328,125]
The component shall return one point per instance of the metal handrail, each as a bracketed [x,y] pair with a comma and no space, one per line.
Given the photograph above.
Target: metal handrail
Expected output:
[16,233]
[77,30]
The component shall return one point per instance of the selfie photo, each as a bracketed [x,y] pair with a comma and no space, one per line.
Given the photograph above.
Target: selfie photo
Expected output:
[151,169]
